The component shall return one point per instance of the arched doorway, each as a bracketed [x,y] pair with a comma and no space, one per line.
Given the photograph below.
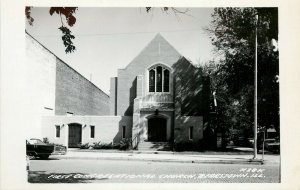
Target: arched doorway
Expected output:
[75,133]
[157,129]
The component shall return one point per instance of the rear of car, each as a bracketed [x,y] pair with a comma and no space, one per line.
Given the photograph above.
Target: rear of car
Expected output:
[272,145]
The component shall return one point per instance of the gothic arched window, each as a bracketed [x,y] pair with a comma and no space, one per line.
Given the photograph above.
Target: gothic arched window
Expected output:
[159,79]
[166,80]
[152,80]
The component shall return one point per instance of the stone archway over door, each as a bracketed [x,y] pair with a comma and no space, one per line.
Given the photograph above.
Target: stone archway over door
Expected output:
[75,134]
[157,129]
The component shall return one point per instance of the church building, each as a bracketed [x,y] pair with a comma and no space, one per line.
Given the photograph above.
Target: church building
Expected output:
[159,97]
[166,96]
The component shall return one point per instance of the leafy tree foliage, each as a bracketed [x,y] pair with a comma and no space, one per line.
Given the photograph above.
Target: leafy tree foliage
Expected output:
[233,35]
[67,39]
[28,15]
[70,19]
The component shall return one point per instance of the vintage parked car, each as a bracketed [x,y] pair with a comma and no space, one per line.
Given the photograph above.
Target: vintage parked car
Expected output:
[272,145]
[242,141]
[37,148]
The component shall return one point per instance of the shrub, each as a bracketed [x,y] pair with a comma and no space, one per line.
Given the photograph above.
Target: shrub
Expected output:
[125,144]
[99,145]
[188,146]
[85,146]
[46,140]
[107,146]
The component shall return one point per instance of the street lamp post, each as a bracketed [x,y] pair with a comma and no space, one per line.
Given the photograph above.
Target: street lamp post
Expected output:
[255,93]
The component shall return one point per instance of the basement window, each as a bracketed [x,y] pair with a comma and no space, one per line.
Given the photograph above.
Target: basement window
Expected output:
[57,128]
[191,133]
[92,131]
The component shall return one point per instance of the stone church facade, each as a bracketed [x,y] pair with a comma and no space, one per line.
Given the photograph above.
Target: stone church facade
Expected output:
[158,97]
[166,96]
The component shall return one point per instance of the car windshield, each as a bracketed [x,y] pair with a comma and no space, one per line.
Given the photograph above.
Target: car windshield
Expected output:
[35,141]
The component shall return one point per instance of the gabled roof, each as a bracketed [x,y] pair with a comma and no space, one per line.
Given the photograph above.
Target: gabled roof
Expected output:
[158,47]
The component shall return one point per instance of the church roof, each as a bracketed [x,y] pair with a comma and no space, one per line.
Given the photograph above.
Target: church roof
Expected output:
[158,49]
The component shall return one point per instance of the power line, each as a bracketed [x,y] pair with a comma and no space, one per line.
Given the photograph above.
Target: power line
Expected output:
[123,33]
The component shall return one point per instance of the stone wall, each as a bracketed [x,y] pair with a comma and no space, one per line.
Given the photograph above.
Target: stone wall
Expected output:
[76,94]
[182,126]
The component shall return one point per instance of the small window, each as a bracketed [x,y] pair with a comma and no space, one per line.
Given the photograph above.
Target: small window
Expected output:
[123,132]
[92,131]
[191,133]
[57,127]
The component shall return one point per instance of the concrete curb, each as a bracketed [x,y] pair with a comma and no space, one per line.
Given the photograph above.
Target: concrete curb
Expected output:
[245,161]
[162,152]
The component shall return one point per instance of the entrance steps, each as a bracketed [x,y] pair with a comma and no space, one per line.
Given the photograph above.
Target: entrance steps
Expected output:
[154,146]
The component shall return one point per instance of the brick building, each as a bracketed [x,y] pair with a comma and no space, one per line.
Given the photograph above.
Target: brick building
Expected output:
[159,97]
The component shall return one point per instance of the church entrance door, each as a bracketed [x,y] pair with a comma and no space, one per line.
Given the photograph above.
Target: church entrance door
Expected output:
[157,129]
[75,131]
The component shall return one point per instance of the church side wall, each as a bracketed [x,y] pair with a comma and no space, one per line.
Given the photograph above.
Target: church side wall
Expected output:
[191,105]
[76,94]
[182,127]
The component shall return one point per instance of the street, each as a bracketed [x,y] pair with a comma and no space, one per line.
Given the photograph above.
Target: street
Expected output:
[110,171]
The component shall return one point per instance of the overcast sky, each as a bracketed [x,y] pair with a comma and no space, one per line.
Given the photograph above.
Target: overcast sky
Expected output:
[107,39]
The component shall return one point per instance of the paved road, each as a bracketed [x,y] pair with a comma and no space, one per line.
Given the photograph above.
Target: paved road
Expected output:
[108,171]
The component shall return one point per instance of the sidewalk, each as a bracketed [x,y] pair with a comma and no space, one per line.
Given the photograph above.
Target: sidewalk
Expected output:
[168,156]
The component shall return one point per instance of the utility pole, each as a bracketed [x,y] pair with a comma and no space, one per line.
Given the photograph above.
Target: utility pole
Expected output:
[255,93]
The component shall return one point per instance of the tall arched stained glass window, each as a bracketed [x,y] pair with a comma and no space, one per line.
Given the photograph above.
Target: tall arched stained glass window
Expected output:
[166,80]
[152,80]
[159,79]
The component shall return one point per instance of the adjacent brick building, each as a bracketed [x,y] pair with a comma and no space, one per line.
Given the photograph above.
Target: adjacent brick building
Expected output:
[76,95]
[64,103]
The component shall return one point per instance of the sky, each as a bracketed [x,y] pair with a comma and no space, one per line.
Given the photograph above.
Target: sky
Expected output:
[107,39]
